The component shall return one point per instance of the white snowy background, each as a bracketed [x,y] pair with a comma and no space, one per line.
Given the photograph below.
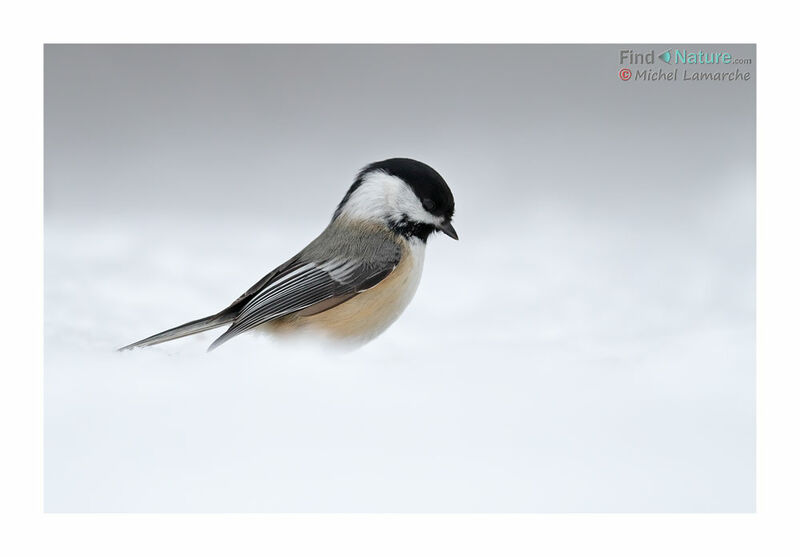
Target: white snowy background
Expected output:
[588,345]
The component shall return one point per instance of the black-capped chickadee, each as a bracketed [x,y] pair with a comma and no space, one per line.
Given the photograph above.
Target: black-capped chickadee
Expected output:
[357,277]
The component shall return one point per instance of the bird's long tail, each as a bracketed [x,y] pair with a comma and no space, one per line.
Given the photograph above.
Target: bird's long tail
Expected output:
[190,328]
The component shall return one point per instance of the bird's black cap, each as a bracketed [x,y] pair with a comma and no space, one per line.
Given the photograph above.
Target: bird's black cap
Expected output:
[427,184]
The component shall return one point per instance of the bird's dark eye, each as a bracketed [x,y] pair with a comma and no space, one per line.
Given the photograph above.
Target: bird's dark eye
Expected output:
[429,204]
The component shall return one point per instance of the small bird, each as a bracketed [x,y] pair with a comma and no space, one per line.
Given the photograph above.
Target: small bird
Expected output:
[356,278]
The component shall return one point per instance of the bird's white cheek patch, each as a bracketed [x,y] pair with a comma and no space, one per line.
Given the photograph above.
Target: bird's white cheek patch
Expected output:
[382,197]
[409,205]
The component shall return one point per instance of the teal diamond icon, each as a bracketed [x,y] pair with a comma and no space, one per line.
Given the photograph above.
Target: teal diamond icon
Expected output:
[666,56]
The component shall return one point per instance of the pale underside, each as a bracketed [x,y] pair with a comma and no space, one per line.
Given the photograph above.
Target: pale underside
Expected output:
[364,316]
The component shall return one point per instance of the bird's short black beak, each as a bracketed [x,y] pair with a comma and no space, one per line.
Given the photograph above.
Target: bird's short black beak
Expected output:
[448,229]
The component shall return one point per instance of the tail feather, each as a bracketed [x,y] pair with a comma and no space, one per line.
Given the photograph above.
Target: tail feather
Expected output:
[190,328]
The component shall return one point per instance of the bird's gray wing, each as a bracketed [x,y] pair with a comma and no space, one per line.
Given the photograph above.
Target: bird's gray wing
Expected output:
[312,285]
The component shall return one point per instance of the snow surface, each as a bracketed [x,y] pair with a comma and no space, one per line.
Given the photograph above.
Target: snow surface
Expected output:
[556,361]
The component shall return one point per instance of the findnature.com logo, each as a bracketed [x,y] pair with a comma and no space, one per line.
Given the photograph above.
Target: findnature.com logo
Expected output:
[682,57]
